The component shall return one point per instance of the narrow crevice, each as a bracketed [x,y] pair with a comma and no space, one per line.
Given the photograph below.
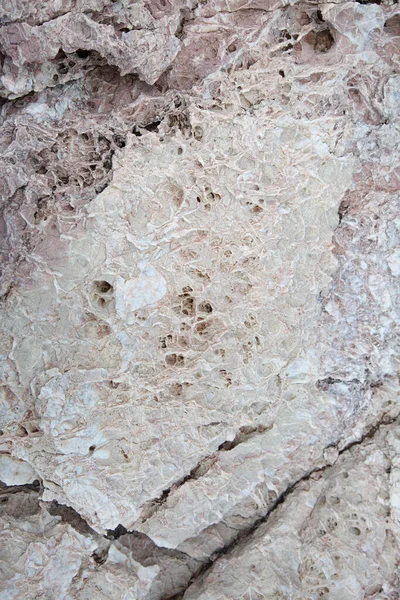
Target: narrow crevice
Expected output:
[114,534]
[368,383]
[343,208]
[141,547]
[323,384]
[244,535]
[329,381]
[36,486]
[244,434]
[72,517]
[385,420]
[146,552]
[66,513]
[198,471]
[153,126]
[186,15]
[20,501]
[203,466]
[134,540]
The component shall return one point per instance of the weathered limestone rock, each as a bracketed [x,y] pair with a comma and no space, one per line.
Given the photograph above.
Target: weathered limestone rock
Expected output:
[42,555]
[200,299]
[329,539]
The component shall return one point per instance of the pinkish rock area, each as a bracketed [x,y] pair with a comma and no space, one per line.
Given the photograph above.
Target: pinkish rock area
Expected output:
[200,300]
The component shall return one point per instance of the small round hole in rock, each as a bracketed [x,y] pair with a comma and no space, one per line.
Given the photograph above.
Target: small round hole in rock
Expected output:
[21,431]
[201,328]
[197,133]
[392,26]
[34,428]
[102,287]
[119,141]
[82,53]
[101,558]
[205,307]
[60,55]
[92,449]
[324,41]
[170,359]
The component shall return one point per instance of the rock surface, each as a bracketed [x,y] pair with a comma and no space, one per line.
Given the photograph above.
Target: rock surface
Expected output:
[200,300]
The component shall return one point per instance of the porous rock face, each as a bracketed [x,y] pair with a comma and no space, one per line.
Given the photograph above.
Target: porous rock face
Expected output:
[200,300]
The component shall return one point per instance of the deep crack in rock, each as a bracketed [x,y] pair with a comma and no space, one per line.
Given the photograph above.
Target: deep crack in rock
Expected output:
[243,537]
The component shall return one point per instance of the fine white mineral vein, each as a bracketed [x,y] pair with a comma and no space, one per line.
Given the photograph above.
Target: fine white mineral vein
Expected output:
[199,349]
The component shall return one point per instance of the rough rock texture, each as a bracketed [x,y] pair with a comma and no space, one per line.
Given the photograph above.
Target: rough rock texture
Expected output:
[200,300]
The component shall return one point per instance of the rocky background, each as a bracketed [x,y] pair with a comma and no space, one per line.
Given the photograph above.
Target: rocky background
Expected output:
[200,269]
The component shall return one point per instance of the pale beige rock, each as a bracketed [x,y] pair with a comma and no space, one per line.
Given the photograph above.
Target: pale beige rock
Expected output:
[166,225]
[41,556]
[15,472]
[200,318]
[332,538]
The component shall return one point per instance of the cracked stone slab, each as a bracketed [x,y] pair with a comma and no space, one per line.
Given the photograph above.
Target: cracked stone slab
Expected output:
[41,555]
[200,284]
[244,272]
[332,537]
